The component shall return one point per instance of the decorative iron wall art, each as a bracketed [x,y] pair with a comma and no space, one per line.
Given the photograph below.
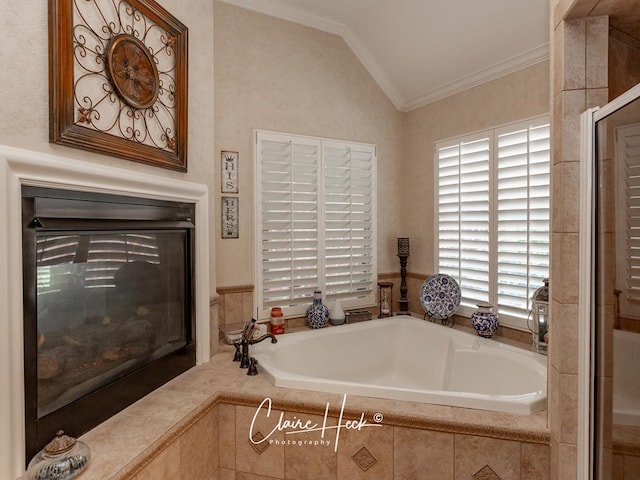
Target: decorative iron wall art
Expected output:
[118,80]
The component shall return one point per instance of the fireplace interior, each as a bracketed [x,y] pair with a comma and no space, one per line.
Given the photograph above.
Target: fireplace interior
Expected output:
[108,305]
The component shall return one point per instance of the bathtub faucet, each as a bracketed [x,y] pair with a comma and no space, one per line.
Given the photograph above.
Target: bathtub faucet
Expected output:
[244,345]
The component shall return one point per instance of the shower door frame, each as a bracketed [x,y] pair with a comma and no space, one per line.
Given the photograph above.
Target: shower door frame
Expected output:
[586,286]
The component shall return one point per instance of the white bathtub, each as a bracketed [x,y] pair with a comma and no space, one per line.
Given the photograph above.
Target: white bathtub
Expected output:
[406,358]
[626,378]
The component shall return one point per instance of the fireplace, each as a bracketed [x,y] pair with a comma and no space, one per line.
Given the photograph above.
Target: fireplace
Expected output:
[22,168]
[108,303]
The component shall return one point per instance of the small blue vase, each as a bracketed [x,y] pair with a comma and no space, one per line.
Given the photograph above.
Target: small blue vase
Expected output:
[484,320]
[317,313]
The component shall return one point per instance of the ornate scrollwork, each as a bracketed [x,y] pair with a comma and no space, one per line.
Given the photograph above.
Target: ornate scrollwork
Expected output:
[124,70]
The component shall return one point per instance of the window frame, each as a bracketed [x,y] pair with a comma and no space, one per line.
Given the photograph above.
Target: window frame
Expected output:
[492,134]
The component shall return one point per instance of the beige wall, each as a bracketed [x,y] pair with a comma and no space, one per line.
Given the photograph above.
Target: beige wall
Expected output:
[276,75]
[24,115]
[517,96]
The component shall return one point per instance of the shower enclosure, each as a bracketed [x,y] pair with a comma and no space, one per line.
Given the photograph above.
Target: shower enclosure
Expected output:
[609,410]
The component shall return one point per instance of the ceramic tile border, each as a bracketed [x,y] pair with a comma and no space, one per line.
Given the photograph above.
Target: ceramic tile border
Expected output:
[521,434]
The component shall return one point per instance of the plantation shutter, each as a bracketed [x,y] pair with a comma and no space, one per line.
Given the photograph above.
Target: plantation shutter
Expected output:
[522,216]
[315,220]
[349,222]
[288,217]
[463,216]
[493,216]
[628,219]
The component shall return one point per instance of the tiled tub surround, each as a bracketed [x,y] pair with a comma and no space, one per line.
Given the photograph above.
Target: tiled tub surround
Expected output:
[196,427]
[405,358]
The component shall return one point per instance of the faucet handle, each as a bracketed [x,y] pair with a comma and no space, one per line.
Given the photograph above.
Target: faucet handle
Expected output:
[253,370]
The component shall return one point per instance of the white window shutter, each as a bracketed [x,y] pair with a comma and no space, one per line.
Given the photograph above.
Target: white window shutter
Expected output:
[349,222]
[463,216]
[493,216]
[288,214]
[315,220]
[523,173]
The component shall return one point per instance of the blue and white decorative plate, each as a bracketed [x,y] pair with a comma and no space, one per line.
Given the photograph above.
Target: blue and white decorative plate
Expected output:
[440,296]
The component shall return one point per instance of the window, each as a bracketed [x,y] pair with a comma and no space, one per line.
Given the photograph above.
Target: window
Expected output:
[315,222]
[492,209]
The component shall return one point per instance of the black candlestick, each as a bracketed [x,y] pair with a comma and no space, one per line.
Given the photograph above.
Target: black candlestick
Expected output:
[403,255]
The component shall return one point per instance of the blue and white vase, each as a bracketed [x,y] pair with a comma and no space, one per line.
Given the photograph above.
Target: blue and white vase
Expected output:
[484,320]
[317,313]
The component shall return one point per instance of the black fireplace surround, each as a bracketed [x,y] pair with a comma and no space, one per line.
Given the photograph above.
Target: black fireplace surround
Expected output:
[109,309]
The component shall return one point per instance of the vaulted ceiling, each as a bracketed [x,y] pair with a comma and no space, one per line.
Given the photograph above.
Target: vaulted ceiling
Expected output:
[422,50]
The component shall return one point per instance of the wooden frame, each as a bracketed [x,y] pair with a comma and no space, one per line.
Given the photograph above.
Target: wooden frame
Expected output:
[84,98]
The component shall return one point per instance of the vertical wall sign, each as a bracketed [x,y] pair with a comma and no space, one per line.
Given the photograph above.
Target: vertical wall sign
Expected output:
[230,217]
[229,174]
[118,80]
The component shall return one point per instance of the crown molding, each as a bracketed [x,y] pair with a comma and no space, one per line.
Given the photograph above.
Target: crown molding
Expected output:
[493,72]
[276,8]
[369,62]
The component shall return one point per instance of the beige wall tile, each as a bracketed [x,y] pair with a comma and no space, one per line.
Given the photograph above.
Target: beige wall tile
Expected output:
[222,319]
[271,461]
[568,408]
[553,397]
[597,51]
[233,308]
[564,332]
[248,312]
[565,250]
[227,433]
[250,476]
[378,441]
[214,328]
[567,462]
[554,464]
[226,474]
[574,51]
[198,448]
[572,106]
[569,191]
[166,466]
[557,208]
[310,461]
[472,453]
[556,131]
[535,461]
[422,454]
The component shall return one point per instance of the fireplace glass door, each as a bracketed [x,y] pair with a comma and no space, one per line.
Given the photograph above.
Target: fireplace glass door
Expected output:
[108,305]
